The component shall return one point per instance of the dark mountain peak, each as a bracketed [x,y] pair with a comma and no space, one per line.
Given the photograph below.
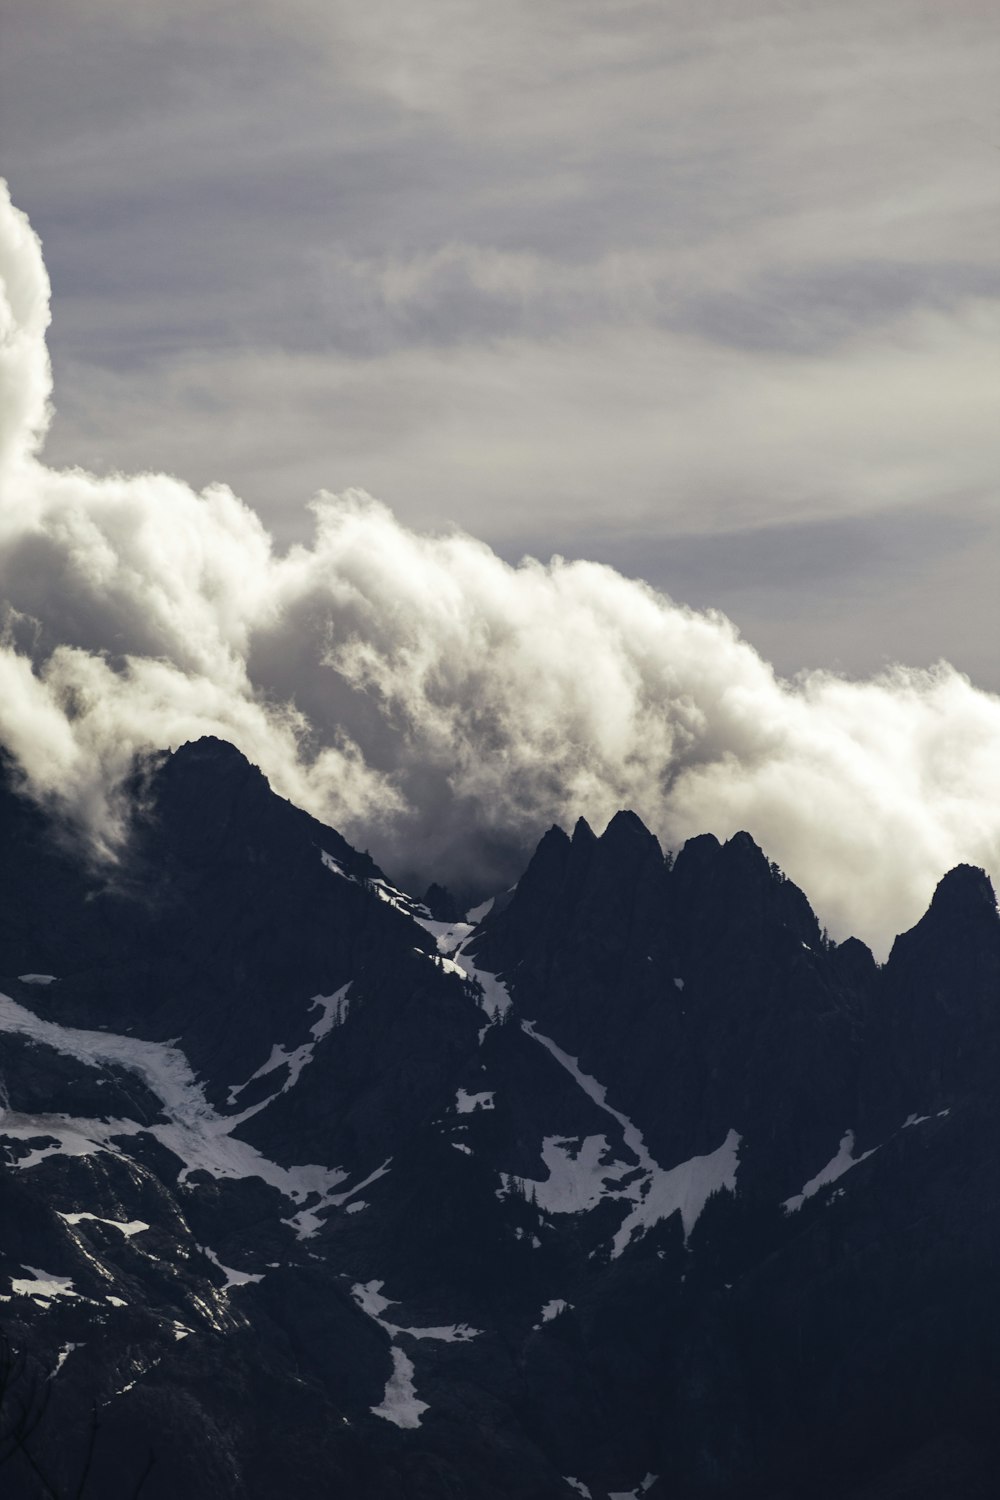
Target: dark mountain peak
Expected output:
[962,912]
[552,848]
[628,833]
[740,857]
[207,750]
[442,905]
[966,888]
[942,981]
[207,802]
[736,886]
[545,870]
[698,852]
[854,963]
[208,764]
[959,932]
[583,833]
[744,846]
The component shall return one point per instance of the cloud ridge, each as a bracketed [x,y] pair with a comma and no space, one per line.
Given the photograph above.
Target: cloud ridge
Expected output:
[433,701]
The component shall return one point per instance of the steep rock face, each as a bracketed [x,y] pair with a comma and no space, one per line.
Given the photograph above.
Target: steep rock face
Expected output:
[637,1185]
[940,1032]
[706,989]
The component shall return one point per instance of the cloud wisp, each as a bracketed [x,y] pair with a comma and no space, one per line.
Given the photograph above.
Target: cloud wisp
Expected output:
[435,702]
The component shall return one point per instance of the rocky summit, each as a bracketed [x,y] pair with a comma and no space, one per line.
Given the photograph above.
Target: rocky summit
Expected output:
[627,1183]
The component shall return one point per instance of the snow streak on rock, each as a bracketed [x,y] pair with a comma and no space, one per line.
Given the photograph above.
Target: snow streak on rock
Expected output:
[133,1226]
[577,1180]
[400,1403]
[834,1169]
[200,1137]
[334,1013]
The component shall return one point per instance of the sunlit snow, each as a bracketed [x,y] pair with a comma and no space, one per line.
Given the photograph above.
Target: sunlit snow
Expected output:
[200,1137]
[577,1180]
[128,1229]
[42,1284]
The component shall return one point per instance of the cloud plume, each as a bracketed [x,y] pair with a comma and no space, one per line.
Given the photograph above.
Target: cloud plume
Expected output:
[434,702]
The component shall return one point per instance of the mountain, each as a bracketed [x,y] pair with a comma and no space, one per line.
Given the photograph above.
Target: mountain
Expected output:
[628,1183]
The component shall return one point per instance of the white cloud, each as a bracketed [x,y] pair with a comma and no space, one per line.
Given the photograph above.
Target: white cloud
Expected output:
[437,703]
[25,379]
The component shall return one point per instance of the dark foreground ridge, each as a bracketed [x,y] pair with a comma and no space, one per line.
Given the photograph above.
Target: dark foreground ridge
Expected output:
[632,1184]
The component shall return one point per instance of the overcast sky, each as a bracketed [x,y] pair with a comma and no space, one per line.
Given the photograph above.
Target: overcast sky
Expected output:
[709,291]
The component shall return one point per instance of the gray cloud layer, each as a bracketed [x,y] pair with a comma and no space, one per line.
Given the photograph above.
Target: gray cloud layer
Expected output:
[706,269]
[434,701]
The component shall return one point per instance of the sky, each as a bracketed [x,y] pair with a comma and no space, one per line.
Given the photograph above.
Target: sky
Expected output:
[705,295]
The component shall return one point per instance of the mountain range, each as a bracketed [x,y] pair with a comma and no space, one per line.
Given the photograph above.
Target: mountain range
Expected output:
[629,1182]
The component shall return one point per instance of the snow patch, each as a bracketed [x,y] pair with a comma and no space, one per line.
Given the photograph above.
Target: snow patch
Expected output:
[467,1104]
[63,1356]
[447,935]
[577,1182]
[400,1404]
[492,992]
[70,1139]
[638,1492]
[684,1189]
[133,1226]
[451,938]
[368,1296]
[835,1168]
[233,1278]
[42,1284]
[334,1008]
[678,984]
[578,1485]
[194,1131]
[578,1175]
[38,979]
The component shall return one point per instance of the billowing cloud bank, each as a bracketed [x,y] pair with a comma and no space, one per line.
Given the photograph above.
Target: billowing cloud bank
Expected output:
[435,703]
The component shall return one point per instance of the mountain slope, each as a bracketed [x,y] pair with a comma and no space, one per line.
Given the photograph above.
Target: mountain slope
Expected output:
[631,1183]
